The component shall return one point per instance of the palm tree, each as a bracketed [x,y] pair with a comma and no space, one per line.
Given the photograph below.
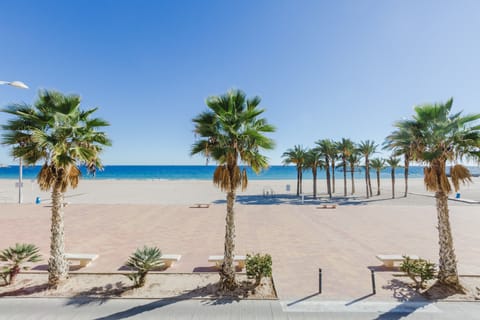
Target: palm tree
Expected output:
[403,142]
[327,148]
[333,157]
[345,148]
[442,137]
[353,161]
[17,256]
[367,148]
[61,135]
[393,163]
[378,164]
[313,161]
[297,156]
[229,132]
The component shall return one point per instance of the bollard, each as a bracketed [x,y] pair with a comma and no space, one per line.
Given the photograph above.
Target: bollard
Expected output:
[374,290]
[319,280]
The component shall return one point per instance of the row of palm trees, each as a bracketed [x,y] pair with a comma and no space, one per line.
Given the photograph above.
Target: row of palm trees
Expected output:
[231,132]
[325,155]
[434,137]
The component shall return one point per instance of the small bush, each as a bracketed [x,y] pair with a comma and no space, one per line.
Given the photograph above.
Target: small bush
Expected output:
[419,270]
[143,260]
[259,266]
[15,257]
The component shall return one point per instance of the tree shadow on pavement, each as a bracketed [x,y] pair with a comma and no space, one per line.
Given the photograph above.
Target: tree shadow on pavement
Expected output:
[209,295]
[411,299]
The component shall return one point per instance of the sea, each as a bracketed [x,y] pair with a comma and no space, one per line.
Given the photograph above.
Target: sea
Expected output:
[198,172]
[205,172]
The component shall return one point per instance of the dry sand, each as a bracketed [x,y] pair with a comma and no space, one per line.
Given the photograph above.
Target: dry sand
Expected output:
[113,218]
[202,191]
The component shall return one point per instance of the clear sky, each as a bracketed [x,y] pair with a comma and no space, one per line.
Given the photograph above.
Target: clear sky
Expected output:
[324,69]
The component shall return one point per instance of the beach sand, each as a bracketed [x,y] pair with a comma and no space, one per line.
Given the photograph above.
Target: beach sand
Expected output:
[113,218]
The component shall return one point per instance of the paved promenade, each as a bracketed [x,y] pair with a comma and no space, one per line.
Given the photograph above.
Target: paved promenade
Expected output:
[300,238]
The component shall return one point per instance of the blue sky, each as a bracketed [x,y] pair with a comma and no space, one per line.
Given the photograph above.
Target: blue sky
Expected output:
[324,69]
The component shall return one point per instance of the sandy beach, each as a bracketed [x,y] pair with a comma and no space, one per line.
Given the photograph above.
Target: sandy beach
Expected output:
[114,217]
[203,191]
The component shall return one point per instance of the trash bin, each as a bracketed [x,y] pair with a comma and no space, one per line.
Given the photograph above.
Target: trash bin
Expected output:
[457,196]
[37,200]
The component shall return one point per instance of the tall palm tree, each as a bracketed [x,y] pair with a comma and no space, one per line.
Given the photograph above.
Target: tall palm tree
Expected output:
[378,164]
[393,163]
[231,131]
[367,148]
[443,137]
[64,137]
[297,156]
[402,142]
[353,161]
[313,161]
[334,158]
[345,148]
[326,148]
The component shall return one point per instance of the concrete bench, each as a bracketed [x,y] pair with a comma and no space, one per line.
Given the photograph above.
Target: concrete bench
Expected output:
[83,258]
[390,259]
[169,259]
[218,260]
[327,206]
[200,205]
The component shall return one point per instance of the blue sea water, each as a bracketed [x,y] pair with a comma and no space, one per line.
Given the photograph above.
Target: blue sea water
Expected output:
[164,172]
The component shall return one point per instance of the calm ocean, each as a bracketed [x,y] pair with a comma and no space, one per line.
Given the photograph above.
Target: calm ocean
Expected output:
[198,173]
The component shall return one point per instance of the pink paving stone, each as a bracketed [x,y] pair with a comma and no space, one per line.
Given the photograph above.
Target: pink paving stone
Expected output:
[301,239]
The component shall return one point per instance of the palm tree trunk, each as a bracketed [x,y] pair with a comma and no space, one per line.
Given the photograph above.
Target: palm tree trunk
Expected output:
[369,181]
[333,176]
[407,163]
[447,266]
[301,180]
[227,273]
[57,264]
[298,181]
[344,178]
[314,173]
[353,179]
[378,182]
[366,182]
[393,183]
[329,187]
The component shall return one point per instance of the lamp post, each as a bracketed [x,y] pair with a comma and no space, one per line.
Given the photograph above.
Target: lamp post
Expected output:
[18,84]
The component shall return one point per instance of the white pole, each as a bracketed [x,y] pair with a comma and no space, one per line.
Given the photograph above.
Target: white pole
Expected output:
[20,182]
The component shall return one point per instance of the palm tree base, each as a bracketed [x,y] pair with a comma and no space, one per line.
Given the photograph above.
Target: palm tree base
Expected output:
[227,284]
[55,282]
[452,282]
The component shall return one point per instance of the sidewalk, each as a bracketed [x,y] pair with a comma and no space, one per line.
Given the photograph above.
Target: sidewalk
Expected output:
[39,308]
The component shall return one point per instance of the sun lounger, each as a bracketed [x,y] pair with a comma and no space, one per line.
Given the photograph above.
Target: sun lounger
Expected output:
[327,206]
[390,259]
[169,259]
[218,260]
[200,205]
[83,258]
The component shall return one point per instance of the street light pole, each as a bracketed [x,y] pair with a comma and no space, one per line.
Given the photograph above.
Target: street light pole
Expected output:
[18,84]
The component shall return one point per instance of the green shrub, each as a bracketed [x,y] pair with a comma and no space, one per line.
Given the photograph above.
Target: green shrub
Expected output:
[143,260]
[419,270]
[15,258]
[259,266]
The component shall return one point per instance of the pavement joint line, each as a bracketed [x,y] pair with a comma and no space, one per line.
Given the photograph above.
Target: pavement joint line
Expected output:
[367,307]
